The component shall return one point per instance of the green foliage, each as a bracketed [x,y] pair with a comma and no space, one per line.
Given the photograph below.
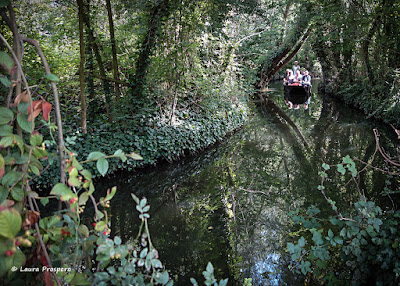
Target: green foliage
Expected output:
[150,137]
[359,247]
[86,253]
[382,102]
[209,276]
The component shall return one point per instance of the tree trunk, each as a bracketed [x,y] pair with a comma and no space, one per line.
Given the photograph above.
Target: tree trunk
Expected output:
[281,60]
[82,67]
[17,48]
[367,41]
[138,82]
[89,71]
[96,50]
[113,49]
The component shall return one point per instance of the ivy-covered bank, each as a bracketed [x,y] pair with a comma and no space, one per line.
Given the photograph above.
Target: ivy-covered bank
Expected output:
[153,138]
[380,102]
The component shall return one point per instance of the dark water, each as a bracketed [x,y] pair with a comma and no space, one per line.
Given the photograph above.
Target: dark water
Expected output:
[230,204]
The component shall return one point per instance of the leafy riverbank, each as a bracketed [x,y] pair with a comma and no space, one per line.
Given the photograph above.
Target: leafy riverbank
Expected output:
[153,138]
[379,102]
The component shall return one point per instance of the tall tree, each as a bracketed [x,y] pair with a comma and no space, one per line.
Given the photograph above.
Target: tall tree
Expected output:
[100,64]
[159,13]
[113,48]
[82,67]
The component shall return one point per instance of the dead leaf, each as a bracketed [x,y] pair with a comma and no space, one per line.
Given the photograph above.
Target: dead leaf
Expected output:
[23,96]
[35,113]
[46,109]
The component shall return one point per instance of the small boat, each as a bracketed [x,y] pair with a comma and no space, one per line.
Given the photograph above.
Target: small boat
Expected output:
[297,94]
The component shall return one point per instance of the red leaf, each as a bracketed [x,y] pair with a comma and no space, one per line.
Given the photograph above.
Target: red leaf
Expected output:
[2,170]
[46,110]
[36,104]
[36,112]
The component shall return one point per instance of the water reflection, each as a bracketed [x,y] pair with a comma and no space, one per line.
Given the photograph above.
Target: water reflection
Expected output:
[229,204]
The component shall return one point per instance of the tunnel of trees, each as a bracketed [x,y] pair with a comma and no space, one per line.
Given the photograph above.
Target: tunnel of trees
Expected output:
[92,86]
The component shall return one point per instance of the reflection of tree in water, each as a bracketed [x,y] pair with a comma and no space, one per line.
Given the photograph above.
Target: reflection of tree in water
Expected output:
[230,204]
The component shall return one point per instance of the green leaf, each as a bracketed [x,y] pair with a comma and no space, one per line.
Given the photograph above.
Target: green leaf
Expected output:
[143,202]
[99,215]
[10,223]
[302,242]
[5,60]
[86,174]
[210,268]
[143,253]
[330,233]
[5,81]
[347,160]
[5,130]
[6,141]
[135,198]
[63,191]
[11,178]
[156,263]
[3,194]
[2,162]
[120,155]
[135,156]
[341,169]
[95,155]
[305,267]
[326,166]
[36,140]
[102,166]
[163,278]
[111,194]
[44,201]
[6,115]
[52,77]
[317,238]
[117,240]
[17,194]
[100,226]
[84,230]
[24,123]
[83,198]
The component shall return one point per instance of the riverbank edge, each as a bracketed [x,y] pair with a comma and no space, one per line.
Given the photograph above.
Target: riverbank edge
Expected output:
[386,110]
[155,143]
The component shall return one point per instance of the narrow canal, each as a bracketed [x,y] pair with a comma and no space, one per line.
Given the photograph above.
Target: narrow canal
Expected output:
[230,204]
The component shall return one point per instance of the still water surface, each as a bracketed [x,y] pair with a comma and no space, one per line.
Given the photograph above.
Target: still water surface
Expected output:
[230,204]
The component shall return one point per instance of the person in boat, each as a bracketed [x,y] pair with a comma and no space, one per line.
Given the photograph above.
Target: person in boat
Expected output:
[306,79]
[299,76]
[292,78]
[289,80]
[295,67]
[306,82]
[287,75]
